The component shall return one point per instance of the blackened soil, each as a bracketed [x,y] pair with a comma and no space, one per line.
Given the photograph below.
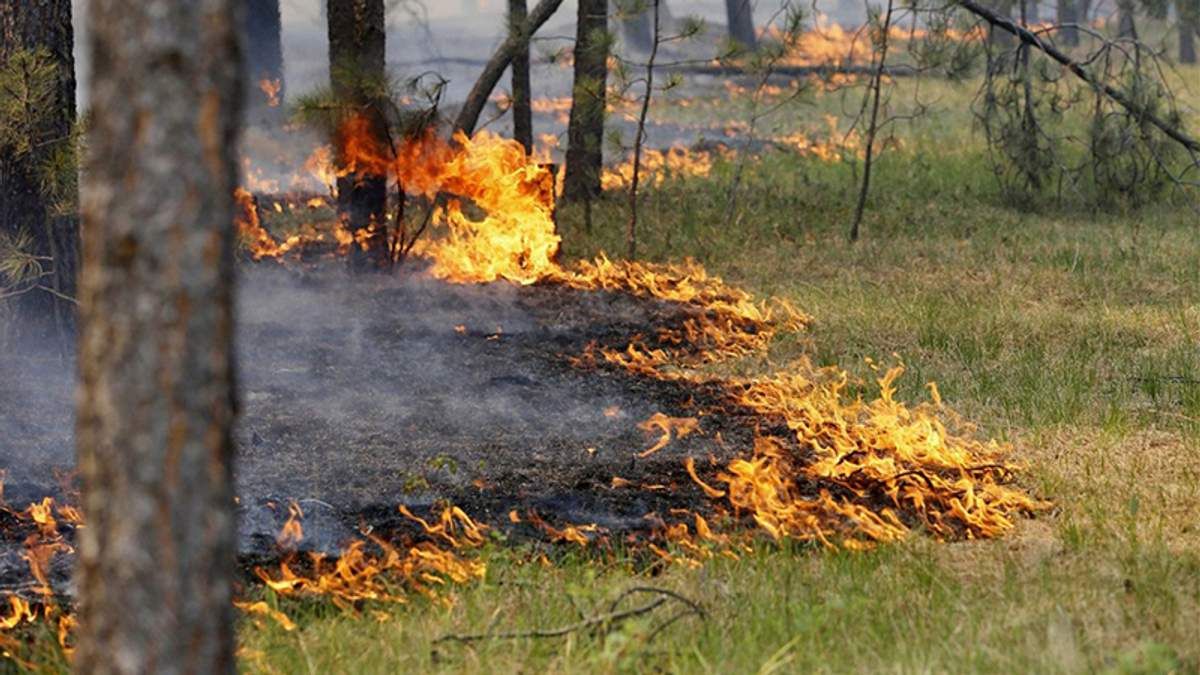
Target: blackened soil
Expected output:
[361,394]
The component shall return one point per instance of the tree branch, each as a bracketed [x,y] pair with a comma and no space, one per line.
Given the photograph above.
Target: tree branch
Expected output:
[468,117]
[1082,73]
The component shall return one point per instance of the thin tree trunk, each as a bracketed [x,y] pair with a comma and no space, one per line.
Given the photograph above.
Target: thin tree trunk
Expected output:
[28,26]
[156,559]
[1000,38]
[1084,11]
[585,129]
[1189,26]
[262,31]
[1126,25]
[357,72]
[522,107]
[631,230]
[740,14]
[873,123]
[468,116]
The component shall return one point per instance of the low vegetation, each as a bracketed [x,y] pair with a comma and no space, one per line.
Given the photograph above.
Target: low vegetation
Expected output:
[1068,331]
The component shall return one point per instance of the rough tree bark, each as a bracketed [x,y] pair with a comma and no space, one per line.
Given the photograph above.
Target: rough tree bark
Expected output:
[740,14]
[522,106]
[156,559]
[357,41]
[30,25]
[262,30]
[585,129]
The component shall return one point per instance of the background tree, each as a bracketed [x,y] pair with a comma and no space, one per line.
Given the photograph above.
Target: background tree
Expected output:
[156,559]
[585,128]
[1067,16]
[493,70]
[1188,16]
[357,74]
[740,14]
[39,230]
[262,29]
[1126,25]
[522,106]
[636,24]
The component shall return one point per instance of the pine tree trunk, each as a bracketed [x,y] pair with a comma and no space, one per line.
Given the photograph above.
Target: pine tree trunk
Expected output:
[357,71]
[30,25]
[262,30]
[522,106]
[585,130]
[741,23]
[156,559]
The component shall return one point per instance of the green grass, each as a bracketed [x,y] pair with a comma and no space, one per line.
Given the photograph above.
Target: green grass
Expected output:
[1071,332]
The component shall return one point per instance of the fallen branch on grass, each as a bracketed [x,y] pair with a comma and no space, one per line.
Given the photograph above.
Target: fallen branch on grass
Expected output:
[604,622]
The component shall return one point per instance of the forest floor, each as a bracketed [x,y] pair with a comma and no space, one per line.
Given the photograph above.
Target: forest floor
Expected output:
[1071,331]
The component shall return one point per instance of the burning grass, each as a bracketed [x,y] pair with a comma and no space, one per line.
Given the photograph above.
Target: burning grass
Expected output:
[826,467]
[851,472]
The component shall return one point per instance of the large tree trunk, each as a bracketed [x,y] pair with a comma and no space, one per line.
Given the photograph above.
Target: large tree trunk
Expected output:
[522,106]
[740,14]
[585,130]
[357,73]
[156,559]
[42,26]
[262,30]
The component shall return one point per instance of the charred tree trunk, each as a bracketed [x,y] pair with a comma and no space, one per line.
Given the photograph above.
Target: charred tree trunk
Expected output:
[740,14]
[262,30]
[522,107]
[357,40]
[1067,15]
[585,130]
[44,27]
[156,559]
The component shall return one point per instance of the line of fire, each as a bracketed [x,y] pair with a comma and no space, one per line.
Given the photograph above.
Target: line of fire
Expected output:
[330,335]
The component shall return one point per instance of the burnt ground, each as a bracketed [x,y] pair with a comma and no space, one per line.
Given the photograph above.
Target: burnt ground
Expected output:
[360,394]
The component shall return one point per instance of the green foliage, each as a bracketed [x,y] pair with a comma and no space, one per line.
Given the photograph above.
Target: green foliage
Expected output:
[27,90]
[28,100]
